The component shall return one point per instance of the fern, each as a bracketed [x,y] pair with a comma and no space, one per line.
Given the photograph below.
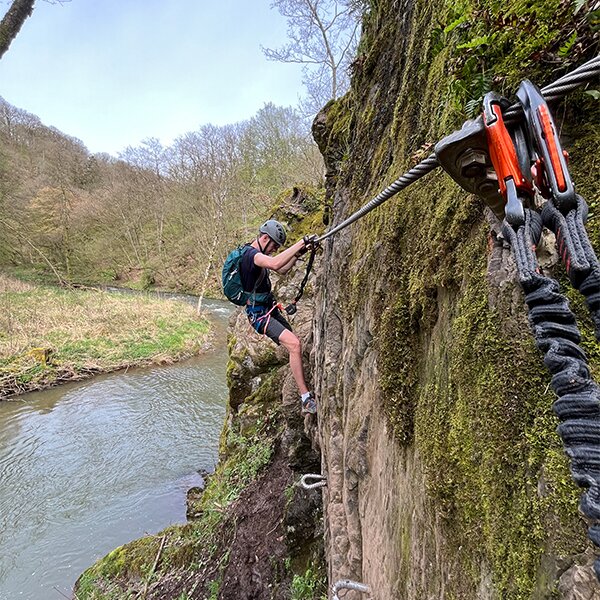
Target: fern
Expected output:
[564,50]
[482,40]
[452,26]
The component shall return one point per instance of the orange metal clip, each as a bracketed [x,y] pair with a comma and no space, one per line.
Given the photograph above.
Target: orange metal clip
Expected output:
[550,137]
[504,155]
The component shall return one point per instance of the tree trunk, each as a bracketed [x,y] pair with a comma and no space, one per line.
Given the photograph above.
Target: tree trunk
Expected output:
[13,21]
[61,281]
[209,264]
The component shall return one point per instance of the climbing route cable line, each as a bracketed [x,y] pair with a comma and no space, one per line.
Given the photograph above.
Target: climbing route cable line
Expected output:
[560,88]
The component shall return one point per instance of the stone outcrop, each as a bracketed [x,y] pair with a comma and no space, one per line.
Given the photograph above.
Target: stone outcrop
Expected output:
[435,424]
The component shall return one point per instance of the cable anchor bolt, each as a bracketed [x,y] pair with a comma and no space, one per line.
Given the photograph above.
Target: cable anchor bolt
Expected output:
[346,584]
[320,481]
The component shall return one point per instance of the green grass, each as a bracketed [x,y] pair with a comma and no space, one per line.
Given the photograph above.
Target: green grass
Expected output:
[49,334]
[309,586]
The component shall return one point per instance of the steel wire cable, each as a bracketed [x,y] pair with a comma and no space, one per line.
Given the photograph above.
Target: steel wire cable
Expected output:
[565,84]
[552,92]
[346,584]
[424,167]
[572,80]
[556,334]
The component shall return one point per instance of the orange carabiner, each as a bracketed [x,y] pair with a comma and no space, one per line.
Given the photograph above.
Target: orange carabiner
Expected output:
[511,181]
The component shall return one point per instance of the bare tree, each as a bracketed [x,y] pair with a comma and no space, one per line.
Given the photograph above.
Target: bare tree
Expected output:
[277,152]
[13,21]
[206,164]
[323,38]
[14,18]
[151,160]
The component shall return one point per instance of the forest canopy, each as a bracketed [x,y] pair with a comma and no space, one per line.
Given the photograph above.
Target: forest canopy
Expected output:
[157,214]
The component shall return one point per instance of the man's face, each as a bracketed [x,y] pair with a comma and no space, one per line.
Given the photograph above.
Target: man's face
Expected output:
[272,246]
[269,245]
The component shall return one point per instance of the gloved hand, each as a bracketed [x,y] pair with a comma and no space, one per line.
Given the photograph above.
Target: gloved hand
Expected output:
[310,240]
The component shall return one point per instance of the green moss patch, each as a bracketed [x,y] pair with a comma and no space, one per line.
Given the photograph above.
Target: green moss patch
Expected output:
[462,381]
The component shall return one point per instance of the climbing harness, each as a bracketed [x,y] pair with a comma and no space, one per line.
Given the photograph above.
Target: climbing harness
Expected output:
[346,584]
[524,160]
[320,481]
[259,322]
[291,308]
[254,301]
[560,88]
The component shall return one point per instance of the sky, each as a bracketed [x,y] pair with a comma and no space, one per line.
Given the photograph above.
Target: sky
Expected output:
[115,72]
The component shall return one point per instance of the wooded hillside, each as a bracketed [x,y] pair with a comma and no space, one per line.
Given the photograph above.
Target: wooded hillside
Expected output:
[155,215]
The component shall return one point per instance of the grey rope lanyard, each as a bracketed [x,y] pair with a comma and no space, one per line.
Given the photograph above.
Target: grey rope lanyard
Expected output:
[557,336]
[561,87]
[291,308]
[528,162]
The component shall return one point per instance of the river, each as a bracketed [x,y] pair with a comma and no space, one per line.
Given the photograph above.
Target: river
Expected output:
[88,466]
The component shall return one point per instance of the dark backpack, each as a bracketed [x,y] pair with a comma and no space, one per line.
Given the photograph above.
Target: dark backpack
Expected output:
[232,281]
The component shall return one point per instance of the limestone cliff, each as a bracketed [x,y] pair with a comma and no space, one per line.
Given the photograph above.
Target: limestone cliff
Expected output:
[446,478]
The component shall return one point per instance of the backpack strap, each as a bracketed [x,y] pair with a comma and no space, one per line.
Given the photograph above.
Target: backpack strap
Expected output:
[253,294]
[261,277]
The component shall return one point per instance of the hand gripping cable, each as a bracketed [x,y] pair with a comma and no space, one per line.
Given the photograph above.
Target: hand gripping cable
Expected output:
[553,324]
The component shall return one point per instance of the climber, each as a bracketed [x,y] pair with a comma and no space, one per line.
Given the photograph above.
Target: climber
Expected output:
[264,315]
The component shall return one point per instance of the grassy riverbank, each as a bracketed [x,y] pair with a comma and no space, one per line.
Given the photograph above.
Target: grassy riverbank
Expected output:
[50,335]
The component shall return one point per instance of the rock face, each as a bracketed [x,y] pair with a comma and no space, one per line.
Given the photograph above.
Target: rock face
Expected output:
[446,478]
[260,381]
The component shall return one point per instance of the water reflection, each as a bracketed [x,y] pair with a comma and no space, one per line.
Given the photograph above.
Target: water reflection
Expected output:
[89,466]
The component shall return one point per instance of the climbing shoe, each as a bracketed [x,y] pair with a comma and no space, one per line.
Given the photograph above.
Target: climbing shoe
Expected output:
[309,405]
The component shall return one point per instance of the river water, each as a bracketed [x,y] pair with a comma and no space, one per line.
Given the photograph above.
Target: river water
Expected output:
[89,466]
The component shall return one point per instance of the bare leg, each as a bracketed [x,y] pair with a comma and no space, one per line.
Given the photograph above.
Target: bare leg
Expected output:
[294,347]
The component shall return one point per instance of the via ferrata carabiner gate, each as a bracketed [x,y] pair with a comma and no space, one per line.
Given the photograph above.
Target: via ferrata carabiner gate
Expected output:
[550,170]
[565,212]
[509,165]
[526,160]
